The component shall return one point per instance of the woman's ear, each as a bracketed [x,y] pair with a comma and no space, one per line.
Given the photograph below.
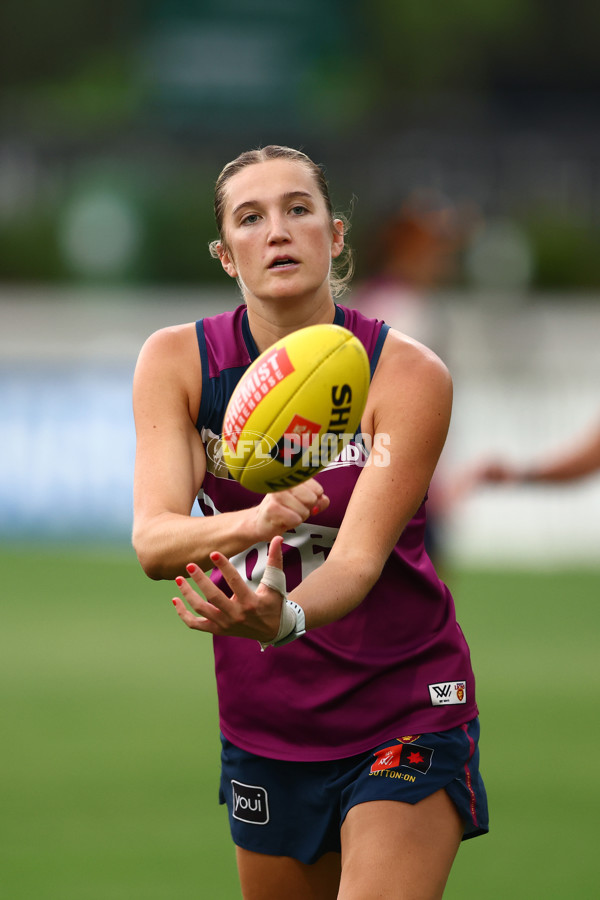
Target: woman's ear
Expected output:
[337,244]
[226,260]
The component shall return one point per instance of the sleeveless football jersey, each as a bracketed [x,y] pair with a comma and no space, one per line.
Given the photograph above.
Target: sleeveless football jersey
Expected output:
[396,665]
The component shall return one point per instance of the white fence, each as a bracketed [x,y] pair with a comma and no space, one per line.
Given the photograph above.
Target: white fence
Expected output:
[526,382]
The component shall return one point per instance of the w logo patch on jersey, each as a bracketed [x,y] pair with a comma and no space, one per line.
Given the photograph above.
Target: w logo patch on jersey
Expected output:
[448,693]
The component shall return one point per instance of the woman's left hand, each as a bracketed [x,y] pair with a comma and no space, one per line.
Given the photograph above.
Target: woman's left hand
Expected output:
[247,613]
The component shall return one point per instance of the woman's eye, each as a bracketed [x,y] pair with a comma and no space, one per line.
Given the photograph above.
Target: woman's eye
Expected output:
[250,219]
[299,210]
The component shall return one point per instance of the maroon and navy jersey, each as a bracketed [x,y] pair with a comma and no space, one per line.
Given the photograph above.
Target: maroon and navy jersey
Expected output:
[396,665]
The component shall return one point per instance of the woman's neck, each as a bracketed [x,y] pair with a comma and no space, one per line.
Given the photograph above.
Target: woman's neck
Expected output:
[270,321]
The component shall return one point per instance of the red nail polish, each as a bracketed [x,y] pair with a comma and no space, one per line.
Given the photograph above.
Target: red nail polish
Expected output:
[174,602]
[179,581]
[191,567]
[314,510]
[214,556]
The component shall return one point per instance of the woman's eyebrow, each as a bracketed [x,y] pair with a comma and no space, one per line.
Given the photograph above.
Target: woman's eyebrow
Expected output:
[289,195]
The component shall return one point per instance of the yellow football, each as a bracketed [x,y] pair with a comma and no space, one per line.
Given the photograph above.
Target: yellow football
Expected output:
[295,408]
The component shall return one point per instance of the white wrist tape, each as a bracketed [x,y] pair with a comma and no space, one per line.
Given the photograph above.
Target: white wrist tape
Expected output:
[291,623]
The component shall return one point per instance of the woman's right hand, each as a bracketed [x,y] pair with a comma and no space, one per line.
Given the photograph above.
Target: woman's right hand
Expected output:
[283,510]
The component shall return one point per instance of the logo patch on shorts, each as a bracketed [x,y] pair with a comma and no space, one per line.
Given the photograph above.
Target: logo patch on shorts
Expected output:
[413,756]
[250,803]
[448,693]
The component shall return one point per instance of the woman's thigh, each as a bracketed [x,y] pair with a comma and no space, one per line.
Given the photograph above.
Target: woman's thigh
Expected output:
[264,877]
[399,851]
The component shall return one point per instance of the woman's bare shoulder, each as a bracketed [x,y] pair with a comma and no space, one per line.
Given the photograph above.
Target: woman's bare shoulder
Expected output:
[169,363]
[168,342]
[406,357]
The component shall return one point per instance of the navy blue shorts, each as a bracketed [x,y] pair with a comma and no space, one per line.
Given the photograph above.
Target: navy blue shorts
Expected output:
[296,809]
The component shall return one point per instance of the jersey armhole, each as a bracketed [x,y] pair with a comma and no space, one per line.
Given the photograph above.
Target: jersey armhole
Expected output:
[378,347]
[205,404]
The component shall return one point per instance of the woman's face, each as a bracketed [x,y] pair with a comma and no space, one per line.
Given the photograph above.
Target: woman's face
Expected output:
[278,233]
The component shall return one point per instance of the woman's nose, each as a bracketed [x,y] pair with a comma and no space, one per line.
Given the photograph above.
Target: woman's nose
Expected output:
[278,229]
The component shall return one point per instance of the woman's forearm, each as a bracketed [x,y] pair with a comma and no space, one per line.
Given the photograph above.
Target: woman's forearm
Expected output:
[166,543]
[335,589]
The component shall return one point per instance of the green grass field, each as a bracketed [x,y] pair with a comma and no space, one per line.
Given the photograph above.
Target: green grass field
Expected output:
[110,737]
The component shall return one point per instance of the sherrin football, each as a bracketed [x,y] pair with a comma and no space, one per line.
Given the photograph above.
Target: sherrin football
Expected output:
[295,408]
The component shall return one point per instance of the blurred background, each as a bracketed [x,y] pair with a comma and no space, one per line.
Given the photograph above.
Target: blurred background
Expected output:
[464,142]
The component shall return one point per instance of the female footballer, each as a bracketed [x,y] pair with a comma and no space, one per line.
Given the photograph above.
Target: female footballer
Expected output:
[348,717]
